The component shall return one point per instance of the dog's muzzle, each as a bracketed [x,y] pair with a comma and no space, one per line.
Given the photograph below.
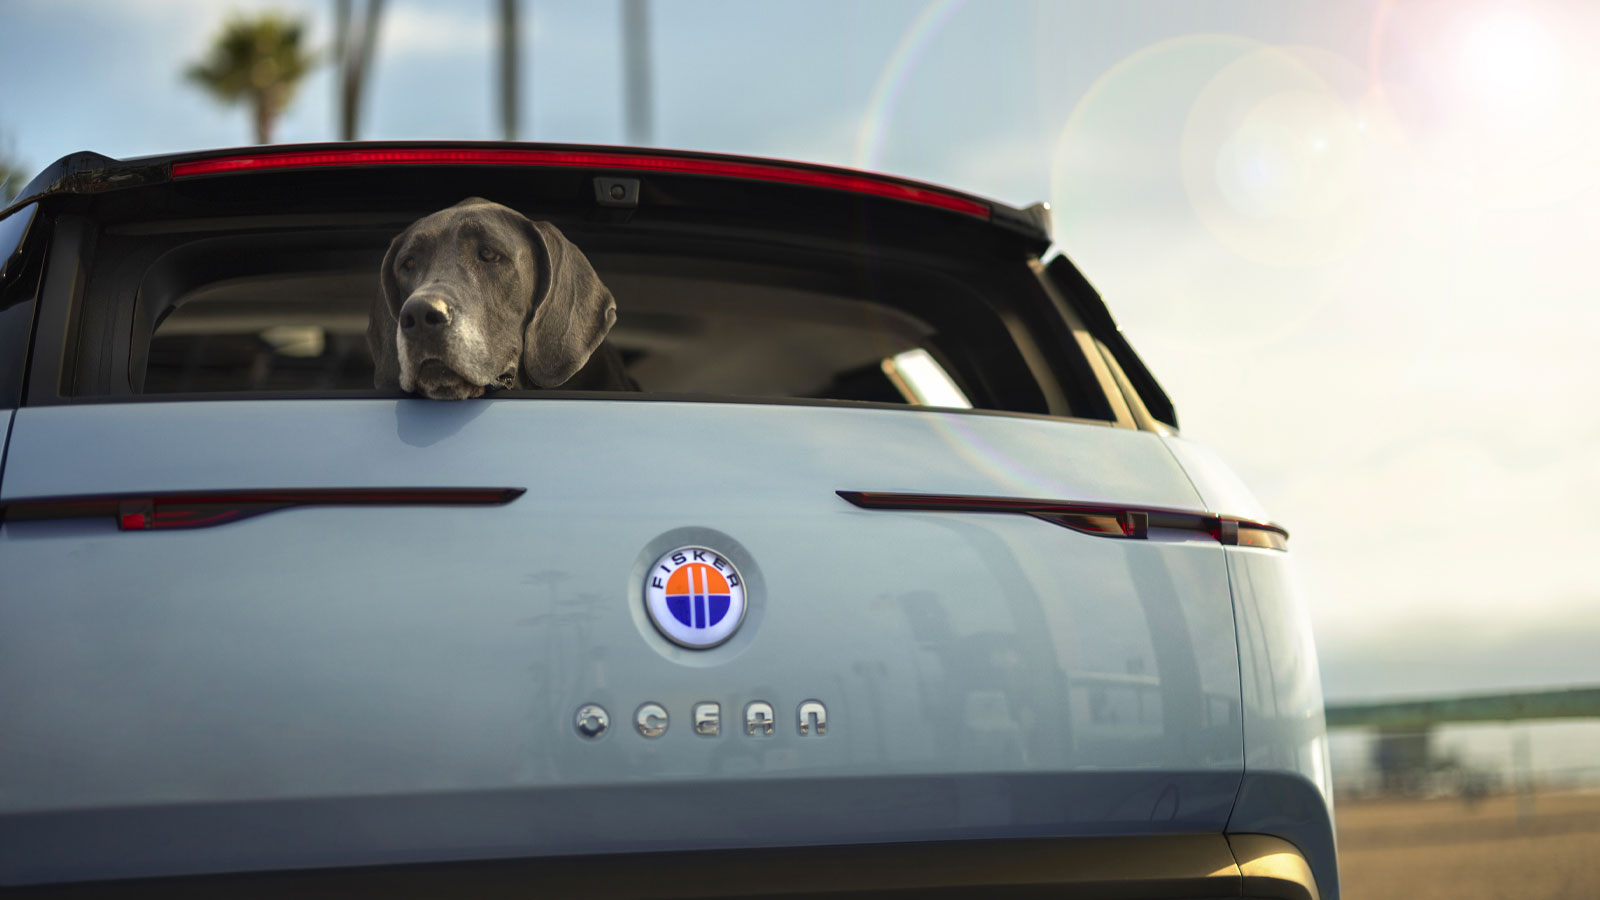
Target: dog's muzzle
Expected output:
[431,350]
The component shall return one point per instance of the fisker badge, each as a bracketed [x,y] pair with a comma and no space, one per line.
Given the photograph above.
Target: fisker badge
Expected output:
[695,597]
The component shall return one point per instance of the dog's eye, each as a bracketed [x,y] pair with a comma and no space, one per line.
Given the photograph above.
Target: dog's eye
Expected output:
[408,264]
[488,255]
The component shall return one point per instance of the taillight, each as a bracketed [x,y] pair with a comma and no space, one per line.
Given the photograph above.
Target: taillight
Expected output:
[778,172]
[1271,537]
[201,510]
[1104,520]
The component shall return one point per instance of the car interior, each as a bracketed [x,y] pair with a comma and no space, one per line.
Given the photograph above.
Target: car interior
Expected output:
[284,310]
[301,331]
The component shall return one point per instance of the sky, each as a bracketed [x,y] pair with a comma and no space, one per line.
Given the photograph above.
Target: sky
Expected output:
[1355,240]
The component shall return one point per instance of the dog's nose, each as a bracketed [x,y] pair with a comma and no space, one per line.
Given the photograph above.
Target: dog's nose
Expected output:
[425,313]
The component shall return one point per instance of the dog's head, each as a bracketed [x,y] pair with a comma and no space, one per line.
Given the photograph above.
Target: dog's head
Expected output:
[478,295]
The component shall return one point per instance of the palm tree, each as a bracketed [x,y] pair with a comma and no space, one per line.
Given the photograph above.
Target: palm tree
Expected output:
[12,175]
[259,60]
[11,181]
[508,69]
[353,49]
[12,178]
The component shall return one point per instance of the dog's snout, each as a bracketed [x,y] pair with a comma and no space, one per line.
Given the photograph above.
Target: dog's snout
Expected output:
[424,313]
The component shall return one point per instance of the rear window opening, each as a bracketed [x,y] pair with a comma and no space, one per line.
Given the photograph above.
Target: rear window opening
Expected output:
[230,288]
[307,332]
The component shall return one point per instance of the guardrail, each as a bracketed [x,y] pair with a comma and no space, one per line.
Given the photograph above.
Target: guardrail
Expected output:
[1569,703]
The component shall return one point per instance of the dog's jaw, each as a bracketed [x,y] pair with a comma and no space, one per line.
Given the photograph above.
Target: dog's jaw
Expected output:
[437,381]
[426,373]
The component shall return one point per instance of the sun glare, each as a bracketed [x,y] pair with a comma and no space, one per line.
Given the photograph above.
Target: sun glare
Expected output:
[1510,62]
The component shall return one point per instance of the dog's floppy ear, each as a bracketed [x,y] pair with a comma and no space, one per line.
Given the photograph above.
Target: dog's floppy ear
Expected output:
[381,324]
[572,310]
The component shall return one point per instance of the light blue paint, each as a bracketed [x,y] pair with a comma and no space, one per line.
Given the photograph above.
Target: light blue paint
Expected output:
[411,674]
[1287,790]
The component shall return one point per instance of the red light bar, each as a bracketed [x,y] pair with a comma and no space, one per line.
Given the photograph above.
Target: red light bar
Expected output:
[1113,521]
[201,510]
[585,159]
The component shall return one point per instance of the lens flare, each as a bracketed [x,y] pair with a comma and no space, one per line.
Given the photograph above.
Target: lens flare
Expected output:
[1235,165]
[1510,63]
[1278,159]
[892,79]
[1500,95]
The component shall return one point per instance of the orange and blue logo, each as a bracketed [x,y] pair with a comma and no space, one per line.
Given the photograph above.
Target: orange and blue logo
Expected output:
[695,597]
[698,595]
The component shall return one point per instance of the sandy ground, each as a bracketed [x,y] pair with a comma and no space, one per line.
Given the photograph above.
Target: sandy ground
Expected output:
[1424,849]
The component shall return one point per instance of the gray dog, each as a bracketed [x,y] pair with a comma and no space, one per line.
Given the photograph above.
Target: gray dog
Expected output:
[478,296]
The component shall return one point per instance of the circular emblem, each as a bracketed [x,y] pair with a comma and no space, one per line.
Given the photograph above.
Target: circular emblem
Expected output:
[695,597]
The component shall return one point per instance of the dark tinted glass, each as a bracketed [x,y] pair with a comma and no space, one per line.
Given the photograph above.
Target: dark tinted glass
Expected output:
[16,304]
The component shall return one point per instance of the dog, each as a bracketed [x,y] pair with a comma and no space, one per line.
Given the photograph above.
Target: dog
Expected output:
[478,297]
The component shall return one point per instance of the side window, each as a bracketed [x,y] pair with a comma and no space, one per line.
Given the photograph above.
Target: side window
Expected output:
[18,283]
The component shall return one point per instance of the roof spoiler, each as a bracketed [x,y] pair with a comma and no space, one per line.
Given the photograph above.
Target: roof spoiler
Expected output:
[88,173]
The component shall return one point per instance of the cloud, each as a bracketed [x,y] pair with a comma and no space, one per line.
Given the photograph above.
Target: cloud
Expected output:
[1449,529]
[1419,657]
[421,31]
[183,26]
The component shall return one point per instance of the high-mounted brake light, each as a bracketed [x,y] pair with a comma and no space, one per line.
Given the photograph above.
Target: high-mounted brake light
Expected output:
[1104,520]
[859,183]
[200,510]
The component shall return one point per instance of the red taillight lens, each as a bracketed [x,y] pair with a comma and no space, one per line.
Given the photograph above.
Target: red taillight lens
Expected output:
[1112,521]
[193,510]
[858,183]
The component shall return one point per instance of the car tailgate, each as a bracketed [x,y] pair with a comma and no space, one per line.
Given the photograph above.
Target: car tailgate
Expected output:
[344,685]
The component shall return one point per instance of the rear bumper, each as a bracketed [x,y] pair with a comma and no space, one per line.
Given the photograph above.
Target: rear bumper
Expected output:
[1161,866]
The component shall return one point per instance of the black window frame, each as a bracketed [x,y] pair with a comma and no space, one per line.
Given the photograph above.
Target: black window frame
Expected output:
[22,249]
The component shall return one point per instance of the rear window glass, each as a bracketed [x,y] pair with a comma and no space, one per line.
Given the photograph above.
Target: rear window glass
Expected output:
[676,334]
[281,305]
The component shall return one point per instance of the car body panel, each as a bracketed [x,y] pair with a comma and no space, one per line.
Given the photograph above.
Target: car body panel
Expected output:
[363,685]
[333,688]
[1287,790]
[1219,488]
[209,445]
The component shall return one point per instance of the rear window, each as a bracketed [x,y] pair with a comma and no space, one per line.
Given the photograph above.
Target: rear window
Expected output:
[684,326]
[265,302]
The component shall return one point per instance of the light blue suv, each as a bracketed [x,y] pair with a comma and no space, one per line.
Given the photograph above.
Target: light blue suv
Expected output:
[895,576]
